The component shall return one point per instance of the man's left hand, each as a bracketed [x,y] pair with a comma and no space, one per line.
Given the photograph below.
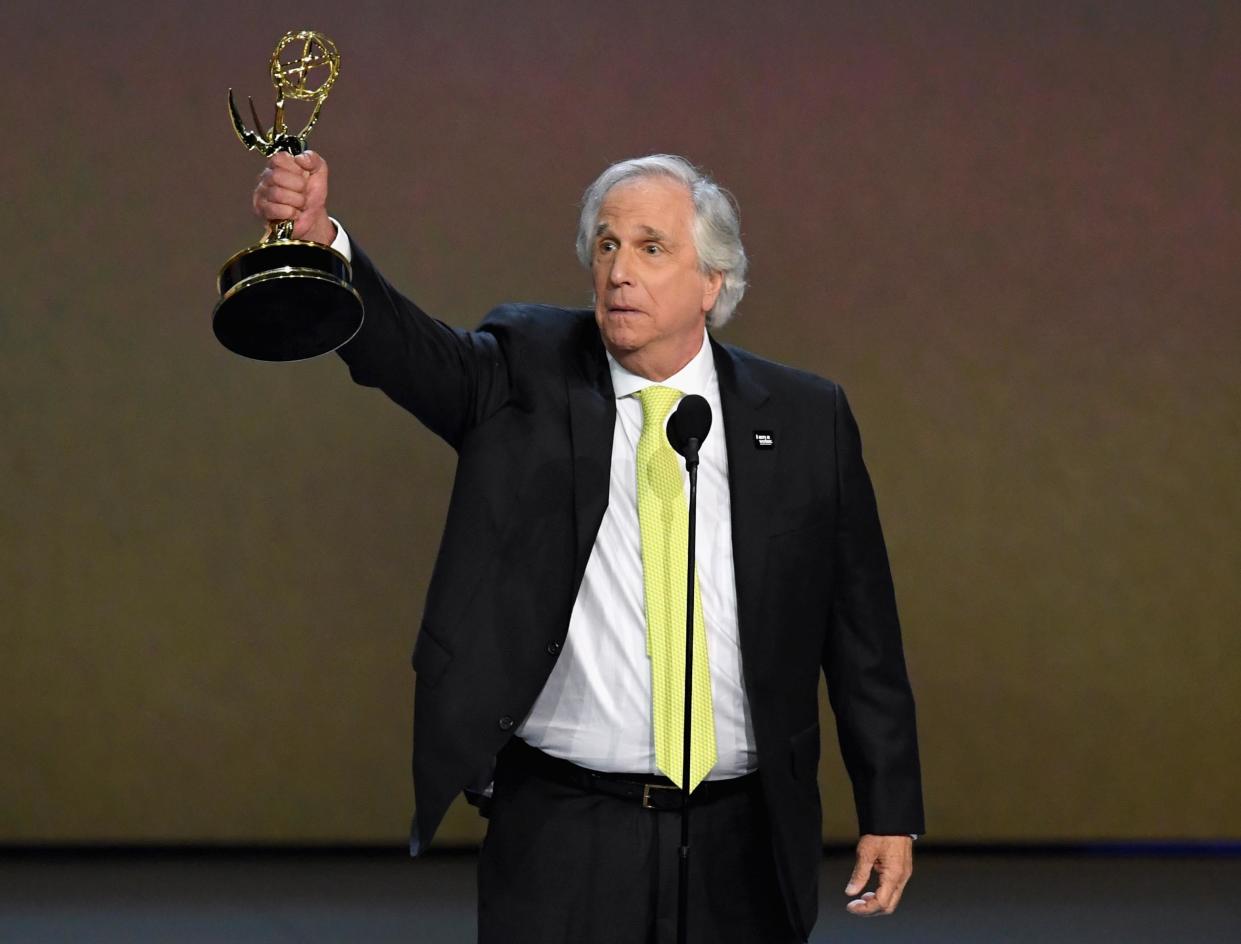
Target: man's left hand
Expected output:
[889,857]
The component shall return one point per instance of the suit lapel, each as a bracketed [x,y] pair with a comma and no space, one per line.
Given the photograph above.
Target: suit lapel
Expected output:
[592,418]
[751,472]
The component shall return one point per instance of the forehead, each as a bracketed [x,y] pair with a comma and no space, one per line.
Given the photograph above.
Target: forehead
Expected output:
[648,202]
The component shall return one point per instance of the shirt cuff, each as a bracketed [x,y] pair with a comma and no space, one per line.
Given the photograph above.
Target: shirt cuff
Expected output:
[341,243]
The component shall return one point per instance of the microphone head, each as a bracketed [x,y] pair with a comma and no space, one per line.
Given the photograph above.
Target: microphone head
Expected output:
[690,420]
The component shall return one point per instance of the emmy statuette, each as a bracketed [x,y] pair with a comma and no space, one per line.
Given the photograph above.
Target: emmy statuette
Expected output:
[288,299]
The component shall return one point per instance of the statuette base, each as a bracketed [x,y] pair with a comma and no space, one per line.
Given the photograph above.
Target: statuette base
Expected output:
[286,300]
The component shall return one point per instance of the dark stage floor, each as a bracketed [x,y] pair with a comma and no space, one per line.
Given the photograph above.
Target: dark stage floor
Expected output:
[366,896]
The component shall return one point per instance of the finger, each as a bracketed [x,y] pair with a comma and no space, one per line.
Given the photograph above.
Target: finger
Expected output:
[283,160]
[289,179]
[889,891]
[310,161]
[276,211]
[283,196]
[864,907]
[861,873]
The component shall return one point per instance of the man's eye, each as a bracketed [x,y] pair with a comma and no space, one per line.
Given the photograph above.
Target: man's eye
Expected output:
[607,245]
[652,249]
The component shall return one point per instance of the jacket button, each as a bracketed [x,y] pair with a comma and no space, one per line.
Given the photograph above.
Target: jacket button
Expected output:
[553,648]
[506,723]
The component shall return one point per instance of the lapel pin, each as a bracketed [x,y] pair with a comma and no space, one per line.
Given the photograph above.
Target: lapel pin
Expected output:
[764,439]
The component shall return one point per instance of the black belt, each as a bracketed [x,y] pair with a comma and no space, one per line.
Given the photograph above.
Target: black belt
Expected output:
[652,791]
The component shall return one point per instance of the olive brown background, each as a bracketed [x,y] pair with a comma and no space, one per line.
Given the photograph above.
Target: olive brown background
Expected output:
[1010,230]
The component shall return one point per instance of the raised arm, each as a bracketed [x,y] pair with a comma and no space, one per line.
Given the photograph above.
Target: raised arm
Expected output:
[450,379]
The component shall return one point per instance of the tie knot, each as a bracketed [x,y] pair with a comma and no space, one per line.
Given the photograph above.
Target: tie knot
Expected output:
[657,402]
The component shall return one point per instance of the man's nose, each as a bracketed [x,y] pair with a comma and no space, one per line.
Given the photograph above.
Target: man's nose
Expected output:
[618,272]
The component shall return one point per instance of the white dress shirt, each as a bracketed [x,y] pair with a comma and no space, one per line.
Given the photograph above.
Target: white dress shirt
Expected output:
[341,243]
[595,709]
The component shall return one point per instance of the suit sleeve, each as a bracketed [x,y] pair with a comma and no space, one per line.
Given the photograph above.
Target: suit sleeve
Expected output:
[863,659]
[450,379]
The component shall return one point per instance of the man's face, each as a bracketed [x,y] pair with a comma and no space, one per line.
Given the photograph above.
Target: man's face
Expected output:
[651,298]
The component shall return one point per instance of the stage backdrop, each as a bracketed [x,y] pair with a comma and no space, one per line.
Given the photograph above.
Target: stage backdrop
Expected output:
[1009,230]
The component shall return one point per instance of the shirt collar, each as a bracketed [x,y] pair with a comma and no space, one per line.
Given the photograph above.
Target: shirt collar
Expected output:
[694,377]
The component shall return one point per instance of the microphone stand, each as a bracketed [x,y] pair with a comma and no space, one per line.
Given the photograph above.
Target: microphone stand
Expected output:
[691,466]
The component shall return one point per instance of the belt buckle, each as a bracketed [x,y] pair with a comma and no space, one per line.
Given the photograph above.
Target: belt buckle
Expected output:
[646,793]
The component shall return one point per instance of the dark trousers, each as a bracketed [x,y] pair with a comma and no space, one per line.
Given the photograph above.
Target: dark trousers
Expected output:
[566,865]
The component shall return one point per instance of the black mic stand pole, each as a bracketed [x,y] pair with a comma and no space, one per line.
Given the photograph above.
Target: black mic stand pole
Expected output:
[691,466]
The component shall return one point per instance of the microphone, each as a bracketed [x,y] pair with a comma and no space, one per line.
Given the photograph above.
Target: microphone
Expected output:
[688,427]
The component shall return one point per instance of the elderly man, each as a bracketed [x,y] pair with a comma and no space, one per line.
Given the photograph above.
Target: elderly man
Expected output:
[548,682]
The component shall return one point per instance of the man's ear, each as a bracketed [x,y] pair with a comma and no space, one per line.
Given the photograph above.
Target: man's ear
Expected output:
[712,283]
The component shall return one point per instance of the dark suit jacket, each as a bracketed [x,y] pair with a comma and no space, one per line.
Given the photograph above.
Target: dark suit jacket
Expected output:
[527,402]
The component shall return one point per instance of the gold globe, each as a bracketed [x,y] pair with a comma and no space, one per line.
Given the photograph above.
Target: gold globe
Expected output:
[304,66]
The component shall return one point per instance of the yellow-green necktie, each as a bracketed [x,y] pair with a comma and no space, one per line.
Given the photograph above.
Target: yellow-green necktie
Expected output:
[663,517]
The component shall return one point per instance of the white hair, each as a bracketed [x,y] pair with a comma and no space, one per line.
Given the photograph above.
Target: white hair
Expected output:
[716,227]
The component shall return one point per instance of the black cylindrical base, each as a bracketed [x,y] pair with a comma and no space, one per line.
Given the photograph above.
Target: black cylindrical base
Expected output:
[286,300]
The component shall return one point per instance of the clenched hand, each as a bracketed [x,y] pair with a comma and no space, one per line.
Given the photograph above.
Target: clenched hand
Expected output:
[295,188]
